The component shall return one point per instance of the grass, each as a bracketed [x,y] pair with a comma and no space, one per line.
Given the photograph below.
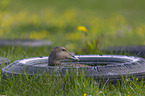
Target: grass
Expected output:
[72,86]
[108,23]
[62,86]
[54,19]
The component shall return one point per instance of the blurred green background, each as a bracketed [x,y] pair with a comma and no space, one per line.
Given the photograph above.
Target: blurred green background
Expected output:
[108,23]
[114,22]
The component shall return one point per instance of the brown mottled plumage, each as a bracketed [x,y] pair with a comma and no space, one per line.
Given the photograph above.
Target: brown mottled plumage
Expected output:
[57,54]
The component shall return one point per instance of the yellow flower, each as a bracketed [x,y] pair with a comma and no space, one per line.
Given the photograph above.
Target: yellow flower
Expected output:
[136,79]
[82,28]
[96,91]
[85,94]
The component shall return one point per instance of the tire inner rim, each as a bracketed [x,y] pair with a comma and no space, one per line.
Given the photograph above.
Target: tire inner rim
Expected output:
[91,60]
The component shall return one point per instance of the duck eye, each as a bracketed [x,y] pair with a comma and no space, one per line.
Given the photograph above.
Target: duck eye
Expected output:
[63,49]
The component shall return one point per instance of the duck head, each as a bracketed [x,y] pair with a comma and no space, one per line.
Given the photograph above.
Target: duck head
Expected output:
[57,54]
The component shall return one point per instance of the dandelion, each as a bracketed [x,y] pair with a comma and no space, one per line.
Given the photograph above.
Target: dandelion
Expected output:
[136,79]
[140,30]
[85,94]
[82,28]
[96,91]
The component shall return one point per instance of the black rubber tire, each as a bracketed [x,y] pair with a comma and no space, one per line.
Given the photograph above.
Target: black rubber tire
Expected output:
[130,50]
[25,42]
[3,61]
[102,67]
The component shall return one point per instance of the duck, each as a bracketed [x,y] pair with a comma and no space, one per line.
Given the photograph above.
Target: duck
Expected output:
[59,53]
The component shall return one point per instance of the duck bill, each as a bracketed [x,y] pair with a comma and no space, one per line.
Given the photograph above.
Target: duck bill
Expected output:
[73,57]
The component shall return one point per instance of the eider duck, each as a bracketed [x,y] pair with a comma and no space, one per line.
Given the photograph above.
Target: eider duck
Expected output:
[57,54]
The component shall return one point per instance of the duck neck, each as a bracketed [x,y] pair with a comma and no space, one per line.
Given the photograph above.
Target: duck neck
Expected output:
[52,61]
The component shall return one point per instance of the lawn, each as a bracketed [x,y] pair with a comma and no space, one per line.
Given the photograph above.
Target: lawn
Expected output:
[108,23]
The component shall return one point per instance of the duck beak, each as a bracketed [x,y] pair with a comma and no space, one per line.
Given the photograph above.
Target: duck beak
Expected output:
[73,57]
